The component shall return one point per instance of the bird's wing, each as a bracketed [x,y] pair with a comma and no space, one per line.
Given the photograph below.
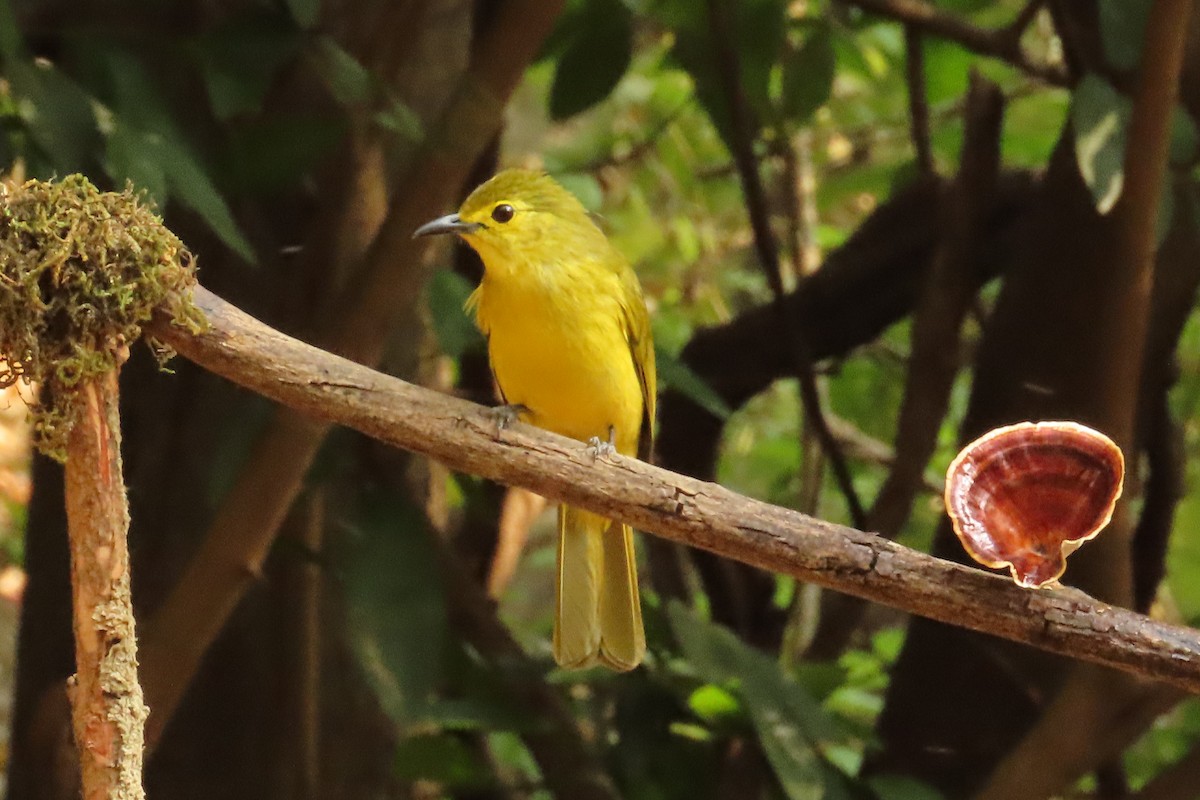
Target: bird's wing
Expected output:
[636,323]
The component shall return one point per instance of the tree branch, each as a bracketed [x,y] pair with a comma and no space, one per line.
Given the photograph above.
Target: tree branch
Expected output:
[464,437]
[949,286]
[107,708]
[918,100]
[1130,274]
[1002,43]
[248,522]
[795,343]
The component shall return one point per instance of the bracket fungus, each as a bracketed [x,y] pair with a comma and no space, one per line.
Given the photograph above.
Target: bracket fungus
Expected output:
[1026,496]
[80,271]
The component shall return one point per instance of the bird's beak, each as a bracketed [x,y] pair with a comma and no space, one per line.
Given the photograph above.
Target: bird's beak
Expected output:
[447,224]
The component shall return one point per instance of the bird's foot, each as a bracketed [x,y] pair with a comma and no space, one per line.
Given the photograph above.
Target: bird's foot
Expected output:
[506,415]
[598,448]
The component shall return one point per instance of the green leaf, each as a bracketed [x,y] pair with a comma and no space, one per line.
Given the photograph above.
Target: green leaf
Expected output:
[58,114]
[594,59]
[305,12]
[947,67]
[808,76]
[125,160]
[793,759]
[273,153]
[456,333]
[714,704]
[10,34]
[901,787]
[139,104]
[760,33]
[489,713]
[397,612]
[440,757]
[583,186]
[1185,140]
[759,36]
[240,59]
[399,118]
[792,727]
[348,81]
[190,184]
[679,376]
[1123,31]
[1100,117]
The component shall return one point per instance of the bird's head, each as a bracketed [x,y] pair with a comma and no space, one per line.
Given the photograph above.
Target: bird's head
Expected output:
[520,215]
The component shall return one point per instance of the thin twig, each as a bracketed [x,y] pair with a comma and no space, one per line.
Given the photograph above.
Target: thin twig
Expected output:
[999,43]
[107,708]
[721,26]
[918,101]
[463,436]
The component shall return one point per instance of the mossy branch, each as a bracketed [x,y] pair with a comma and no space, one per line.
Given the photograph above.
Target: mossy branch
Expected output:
[80,271]
[677,507]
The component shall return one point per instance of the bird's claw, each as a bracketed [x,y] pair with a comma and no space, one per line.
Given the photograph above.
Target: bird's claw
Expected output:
[598,448]
[506,415]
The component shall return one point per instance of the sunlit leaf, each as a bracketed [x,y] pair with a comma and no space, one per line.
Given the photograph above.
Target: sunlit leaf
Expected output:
[1100,116]
[947,67]
[714,704]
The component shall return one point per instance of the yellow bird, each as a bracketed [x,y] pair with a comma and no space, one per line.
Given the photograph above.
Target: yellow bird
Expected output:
[569,342]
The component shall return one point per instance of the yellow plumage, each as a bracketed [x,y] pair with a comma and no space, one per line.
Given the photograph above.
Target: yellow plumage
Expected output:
[569,340]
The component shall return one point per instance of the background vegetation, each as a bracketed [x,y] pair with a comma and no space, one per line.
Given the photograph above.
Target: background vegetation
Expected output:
[829,207]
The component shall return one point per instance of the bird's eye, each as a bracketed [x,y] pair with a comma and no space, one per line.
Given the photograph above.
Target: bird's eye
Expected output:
[503,212]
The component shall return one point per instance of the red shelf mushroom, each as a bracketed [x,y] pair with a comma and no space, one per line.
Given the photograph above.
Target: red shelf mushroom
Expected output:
[1026,496]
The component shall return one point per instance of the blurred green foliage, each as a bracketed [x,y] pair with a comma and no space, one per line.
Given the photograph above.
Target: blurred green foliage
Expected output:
[627,107]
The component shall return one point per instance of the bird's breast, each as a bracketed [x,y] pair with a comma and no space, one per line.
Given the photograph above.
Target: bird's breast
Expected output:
[562,352]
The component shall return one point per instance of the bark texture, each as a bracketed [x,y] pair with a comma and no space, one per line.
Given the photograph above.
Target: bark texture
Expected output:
[108,712]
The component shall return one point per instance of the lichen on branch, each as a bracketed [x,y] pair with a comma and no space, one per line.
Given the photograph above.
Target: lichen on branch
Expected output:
[80,272]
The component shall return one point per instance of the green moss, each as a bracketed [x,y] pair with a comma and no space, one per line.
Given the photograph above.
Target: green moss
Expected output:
[80,272]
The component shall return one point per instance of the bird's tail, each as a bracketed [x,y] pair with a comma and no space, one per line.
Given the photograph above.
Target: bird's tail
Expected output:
[598,614]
